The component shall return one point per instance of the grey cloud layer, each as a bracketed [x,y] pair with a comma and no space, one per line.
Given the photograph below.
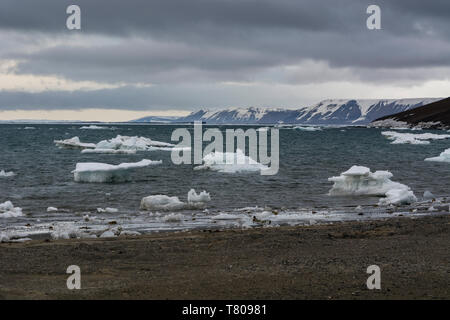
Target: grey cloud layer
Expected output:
[201,41]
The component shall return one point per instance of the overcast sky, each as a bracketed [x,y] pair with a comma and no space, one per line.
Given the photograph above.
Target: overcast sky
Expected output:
[169,57]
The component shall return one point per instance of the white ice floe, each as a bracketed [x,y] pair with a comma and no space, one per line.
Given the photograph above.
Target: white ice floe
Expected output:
[359,180]
[109,151]
[173,217]
[193,197]
[94,127]
[389,123]
[7,210]
[29,128]
[308,128]
[74,143]
[103,172]
[52,209]
[398,197]
[132,143]
[226,216]
[230,162]
[166,203]
[443,157]
[6,174]
[107,210]
[162,202]
[413,138]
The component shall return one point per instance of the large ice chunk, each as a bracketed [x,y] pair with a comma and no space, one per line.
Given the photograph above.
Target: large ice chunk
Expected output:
[7,210]
[358,180]
[230,162]
[103,172]
[443,157]
[166,203]
[162,202]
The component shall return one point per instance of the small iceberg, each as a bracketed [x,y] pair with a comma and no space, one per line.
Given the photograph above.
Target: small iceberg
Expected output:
[103,172]
[4,174]
[73,143]
[108,151]
[412,138]
[443,157]
[7,210]
[162,202]
[359,180]
[230,162]
[167,203]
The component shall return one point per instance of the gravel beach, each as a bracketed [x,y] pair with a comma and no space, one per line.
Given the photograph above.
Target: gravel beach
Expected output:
[313,262]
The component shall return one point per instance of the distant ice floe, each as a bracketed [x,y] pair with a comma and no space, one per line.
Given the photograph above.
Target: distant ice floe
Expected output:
[308,128]
[167,203]
[4,174]
[29,128]
[443,157]
[103,172]
[52,209]
[230,162]
[74,143]
[94,127]
[108,151]
[412,138]
[359,180]
[7,210]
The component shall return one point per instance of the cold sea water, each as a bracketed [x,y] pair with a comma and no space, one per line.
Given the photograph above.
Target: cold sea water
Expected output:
[298,194]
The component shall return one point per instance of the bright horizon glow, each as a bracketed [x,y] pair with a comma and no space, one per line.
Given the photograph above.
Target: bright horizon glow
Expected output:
[104,115]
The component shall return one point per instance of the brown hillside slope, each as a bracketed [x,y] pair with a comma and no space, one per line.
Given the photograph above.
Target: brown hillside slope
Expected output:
[438,111]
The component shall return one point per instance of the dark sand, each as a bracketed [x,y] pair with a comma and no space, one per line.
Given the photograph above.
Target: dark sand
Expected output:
[317,262]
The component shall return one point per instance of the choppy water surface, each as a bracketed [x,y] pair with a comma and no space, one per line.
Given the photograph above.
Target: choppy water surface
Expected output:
[297,194]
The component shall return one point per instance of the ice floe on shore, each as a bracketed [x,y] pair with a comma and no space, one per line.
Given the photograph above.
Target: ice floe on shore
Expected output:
[73,143]
[443,157]
[167,203]
[230,162]
[7,210]
[359,180]
[103,172]
[6,174]
[412,138]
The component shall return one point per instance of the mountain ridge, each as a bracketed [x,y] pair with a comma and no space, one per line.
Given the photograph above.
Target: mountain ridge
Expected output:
[330,111]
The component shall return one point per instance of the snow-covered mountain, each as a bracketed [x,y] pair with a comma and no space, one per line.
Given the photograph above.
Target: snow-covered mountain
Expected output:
[342,112]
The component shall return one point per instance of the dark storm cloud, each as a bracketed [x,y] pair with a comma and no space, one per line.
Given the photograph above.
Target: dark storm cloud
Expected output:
[198,41]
